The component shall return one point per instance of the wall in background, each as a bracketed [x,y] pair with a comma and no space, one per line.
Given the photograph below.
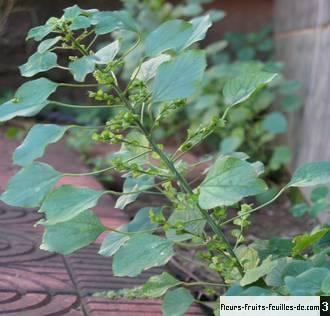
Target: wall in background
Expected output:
[302,32]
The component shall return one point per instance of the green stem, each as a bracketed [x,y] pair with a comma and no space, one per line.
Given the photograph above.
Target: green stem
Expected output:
[184,184]
[105,169]
[84,106]
[77,85]
[255,209]
[205,283]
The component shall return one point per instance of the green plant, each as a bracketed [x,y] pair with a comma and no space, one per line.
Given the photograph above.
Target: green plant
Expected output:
[251,128]
[195,216]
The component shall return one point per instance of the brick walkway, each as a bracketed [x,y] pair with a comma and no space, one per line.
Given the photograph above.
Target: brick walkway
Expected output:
[37,283]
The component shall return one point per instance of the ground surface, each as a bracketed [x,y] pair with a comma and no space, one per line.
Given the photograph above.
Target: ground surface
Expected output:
[37,283]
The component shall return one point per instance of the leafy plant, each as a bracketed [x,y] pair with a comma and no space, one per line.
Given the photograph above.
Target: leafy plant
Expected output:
[195,215]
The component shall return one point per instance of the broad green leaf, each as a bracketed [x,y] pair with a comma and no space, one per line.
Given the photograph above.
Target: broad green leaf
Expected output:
[170,35]
[47,44]
[105,22]
[281,155]
[229,144]
[39,32]
[69,236]
[141,222]
[109,21]
[276,247]
[200,25]
[107,53]
[177,302]
[228,181]
[180,77]
[192,215]
[286,267]
[319,194]
[71,12]
[130,150]
[307,283]
[299,209]
[240,88]
[125,21]
[148,69]
[66,202]
[140,183]
[81,67]
[141,252]
[113,241]
[157,285]
[29,99]
[253,275]
[237,290]
[325,286]
[176,35]
[38,62]
[30,185]
[275,123]
[305,241]
[80,22]
[309,174]
[36,141]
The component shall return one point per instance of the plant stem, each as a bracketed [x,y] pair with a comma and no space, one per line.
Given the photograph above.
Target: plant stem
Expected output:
[105,169]
[183,182]
[83,106]
[205,283]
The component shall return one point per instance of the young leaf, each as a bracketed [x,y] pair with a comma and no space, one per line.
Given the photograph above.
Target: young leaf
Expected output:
[255,274]
[180,77]
[69,236]
[228,181]
[240,88]
[309,174]
[47,44]
[141,252]
[81,67]
[66,202]
[148,69]
[36,141]
[275,123]
[30,185]
[305,241]
[308,283]
[141,222]
[143,182]
[107,53]
[29,99]
[177,302]
[38,62]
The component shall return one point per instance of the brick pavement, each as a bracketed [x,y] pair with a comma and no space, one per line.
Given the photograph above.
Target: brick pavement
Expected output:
[38,283]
